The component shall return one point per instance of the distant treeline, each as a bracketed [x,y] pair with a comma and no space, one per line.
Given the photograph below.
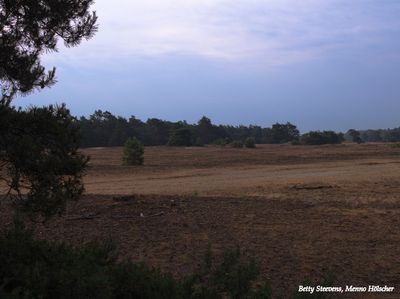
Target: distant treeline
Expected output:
[104,129]
[381,135]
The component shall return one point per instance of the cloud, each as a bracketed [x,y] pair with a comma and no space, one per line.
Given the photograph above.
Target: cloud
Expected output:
[266,32]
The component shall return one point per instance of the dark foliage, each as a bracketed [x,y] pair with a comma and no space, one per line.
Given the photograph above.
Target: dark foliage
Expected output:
[30,28]
[233,278]
[354,136]
[222,141]
[38,269]
[39,160]
[237,144]
[105,129]
[206,131]
[385,135]
[250,142]
[321,137]
[133,152]
[34,268]
[283,133]
[380,135]
[157,131]
[181,137]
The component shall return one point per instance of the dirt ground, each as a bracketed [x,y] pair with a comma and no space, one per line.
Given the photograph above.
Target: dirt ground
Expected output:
[301,211]
[269,170]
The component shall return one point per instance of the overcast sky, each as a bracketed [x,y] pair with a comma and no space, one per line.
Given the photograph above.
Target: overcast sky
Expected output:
[321,64]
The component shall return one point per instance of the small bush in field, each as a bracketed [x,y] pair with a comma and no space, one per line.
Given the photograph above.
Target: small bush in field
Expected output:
[237,144]
[250,142]
[133,152]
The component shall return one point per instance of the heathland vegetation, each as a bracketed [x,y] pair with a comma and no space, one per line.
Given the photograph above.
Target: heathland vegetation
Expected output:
[42,170]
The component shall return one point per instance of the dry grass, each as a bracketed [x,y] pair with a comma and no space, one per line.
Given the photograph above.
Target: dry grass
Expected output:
[357,172]
[301,211]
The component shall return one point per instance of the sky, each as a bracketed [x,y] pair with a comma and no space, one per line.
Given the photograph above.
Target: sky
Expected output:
[320,64]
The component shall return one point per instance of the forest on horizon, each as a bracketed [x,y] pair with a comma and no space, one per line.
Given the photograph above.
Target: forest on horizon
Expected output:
[102,128]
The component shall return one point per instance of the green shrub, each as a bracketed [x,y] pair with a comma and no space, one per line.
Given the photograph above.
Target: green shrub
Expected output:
[237,144]
[133,152]
[32,268]
[233,277]
[250,142]
[39,158]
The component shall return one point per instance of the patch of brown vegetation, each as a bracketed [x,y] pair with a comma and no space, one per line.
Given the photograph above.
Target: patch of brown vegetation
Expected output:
[300,211]
[265,171]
